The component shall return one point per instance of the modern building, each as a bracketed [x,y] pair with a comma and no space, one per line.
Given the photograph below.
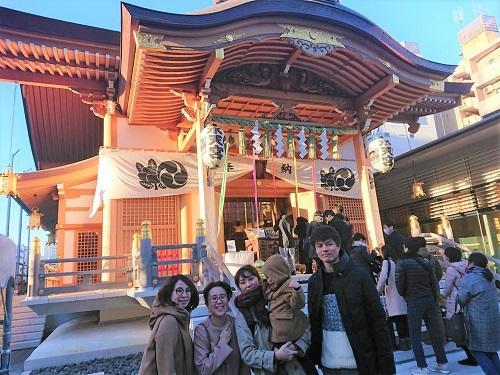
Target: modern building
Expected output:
[480,66]
[460,177]
[480,44]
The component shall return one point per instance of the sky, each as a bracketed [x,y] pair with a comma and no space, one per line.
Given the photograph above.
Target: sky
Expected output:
[430,23]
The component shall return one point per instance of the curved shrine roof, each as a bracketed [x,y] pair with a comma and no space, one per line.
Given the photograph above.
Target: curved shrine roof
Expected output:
[280,47]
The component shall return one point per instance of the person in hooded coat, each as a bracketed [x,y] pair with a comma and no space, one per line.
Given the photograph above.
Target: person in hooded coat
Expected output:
[477,295]
[169,349]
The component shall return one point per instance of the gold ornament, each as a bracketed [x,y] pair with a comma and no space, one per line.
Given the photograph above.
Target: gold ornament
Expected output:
[8,183]
[35,218]
[417,189]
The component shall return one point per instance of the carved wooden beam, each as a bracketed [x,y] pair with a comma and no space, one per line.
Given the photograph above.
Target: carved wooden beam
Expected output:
[40,79]
[378,90]
[211,68]
[291,60]
[221,91]
[185,141]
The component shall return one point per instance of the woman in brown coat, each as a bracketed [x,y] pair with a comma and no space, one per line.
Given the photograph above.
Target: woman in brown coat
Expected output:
[216,350]
[170,348]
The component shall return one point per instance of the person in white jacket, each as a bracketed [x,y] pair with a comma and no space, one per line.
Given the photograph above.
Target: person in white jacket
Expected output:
[395,304]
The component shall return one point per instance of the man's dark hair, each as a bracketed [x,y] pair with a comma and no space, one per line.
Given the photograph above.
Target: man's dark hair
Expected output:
[389,223]
[412,244]
[214,284]
[328,213]
[165,293]
[453,254]
[246,271]
[422,242]
[324,233]
[358,237]
[338,209]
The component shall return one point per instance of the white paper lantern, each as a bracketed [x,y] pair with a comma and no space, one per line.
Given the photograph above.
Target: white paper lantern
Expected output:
[381,156]
[212,146]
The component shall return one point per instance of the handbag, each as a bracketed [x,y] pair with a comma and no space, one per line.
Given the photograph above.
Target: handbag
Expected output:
[457,329]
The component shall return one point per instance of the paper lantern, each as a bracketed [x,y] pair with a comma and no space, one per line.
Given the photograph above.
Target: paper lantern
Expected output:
[242,150]
[212,146]
[290,152]
[311,145]
[8,183]
[381,155]
[267,143]
[35,219]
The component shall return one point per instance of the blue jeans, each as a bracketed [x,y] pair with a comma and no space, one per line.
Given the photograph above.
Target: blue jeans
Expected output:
[425,308]
[489,362]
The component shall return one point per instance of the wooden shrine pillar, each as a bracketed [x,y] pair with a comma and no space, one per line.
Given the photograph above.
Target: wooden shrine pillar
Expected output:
[368,194]
[206,194]
[107,206]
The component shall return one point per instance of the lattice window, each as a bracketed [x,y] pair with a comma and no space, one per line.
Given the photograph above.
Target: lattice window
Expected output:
[163,212]
[87,247]
[353,209]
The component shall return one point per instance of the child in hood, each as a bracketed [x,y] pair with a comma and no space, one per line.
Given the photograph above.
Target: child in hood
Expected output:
[285,299]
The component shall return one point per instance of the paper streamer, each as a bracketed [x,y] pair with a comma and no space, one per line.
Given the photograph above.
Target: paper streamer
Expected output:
[257,142]
[324,145]
[302,143]
[296,179]
[279,141]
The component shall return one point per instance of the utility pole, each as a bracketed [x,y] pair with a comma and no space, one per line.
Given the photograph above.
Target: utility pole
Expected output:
[9,198]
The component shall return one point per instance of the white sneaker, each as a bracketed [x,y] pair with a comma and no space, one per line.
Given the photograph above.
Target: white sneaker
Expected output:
[420,371]
[440,367]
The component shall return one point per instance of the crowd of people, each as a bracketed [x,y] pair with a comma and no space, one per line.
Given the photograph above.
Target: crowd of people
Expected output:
[349,327]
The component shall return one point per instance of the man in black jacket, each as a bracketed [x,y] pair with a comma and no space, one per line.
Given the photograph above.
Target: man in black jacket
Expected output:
[348,328]
[416,282]
[392,237]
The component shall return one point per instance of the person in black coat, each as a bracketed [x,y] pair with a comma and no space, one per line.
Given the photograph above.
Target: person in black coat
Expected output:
[348,326]
[392,237]
[301,232]
[417,284]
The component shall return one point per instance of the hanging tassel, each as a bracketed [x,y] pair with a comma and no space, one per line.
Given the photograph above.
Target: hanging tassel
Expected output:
[279,141]
[242,150]
[311,145]
[302,143]
[267,143]
[290,144]
[324,144]
[257,142]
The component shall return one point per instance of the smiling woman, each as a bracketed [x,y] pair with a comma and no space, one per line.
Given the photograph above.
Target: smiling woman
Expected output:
[216,348]
[170,348]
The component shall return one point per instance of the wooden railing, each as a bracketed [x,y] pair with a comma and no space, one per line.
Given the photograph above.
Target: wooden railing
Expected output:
[47,276]
[144,268]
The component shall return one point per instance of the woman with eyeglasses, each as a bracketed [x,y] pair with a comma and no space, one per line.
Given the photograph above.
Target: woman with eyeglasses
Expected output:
[216,348]
[170,349]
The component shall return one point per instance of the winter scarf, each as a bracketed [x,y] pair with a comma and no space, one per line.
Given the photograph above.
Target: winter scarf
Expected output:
[255,299]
